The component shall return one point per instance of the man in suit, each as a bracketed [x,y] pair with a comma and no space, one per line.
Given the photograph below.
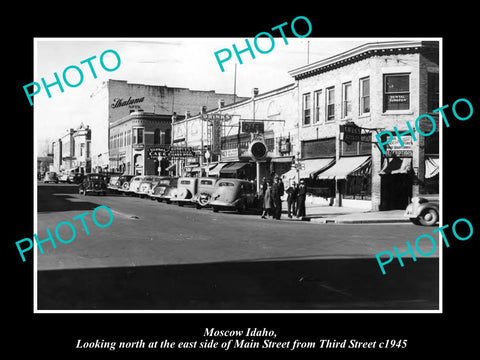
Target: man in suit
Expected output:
[277,192]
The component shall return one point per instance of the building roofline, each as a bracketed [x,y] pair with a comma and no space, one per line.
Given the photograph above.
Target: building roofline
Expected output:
[359,53]
[276,91]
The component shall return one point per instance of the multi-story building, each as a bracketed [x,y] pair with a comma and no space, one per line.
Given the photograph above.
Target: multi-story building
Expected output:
[269,117]
[71,152]
[116,100]
[325,125]
[131,138]
[376,87]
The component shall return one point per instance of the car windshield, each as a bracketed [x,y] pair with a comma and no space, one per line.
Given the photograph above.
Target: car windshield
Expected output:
[96,177]
[206,182]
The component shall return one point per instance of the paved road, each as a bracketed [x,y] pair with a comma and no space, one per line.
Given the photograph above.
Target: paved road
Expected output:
[242,260]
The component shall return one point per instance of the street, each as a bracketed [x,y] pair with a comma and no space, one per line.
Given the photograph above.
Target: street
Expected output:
[159,257]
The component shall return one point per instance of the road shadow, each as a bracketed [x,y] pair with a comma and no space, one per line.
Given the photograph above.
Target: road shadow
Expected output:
[55,198]
[288,284]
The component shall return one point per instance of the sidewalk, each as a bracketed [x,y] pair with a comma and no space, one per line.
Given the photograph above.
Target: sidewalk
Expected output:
[347,215]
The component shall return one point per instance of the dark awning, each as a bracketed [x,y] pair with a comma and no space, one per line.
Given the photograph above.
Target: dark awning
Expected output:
[233,167]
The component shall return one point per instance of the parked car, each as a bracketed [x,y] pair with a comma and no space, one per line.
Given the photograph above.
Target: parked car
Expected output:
[112,183]
[234,194]
[75,178]
[164,189]
[93,183]
[63,178]
[204,192]
[186,189]
[423,210]
[50,176]
[123,182]
[134,184]
[147,184]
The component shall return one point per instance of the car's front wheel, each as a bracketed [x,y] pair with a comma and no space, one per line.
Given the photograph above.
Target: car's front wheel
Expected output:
[429,217]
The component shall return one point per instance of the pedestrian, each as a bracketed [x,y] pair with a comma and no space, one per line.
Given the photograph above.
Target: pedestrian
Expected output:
[302,194]
[267,201]
[277,192]
[264,186]
[292,193]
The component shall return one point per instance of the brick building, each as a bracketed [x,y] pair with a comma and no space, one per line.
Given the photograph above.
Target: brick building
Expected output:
[376,86]
[117,99]
[275,111]
[329,117]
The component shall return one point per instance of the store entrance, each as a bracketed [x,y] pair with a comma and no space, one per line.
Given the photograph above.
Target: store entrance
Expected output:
[396,191]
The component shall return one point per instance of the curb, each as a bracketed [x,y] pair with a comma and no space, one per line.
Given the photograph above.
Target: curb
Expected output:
[356,221]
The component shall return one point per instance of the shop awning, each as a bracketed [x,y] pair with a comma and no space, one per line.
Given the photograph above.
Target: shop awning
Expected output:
[215,171]
[432,166]
[171,167]
[345,166]
[396,165]
[233,167]
[312,167]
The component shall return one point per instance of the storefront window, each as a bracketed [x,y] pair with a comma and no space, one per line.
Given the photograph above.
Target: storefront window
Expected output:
[396,92]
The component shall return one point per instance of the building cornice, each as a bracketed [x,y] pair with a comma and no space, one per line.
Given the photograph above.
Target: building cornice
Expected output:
[360,53]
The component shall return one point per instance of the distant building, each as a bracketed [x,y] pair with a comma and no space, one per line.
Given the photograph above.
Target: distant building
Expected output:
[71,152]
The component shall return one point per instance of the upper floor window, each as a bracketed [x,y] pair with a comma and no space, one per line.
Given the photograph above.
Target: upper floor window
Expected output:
[364,95]
[318,103]
[346,99]
[396,92]
[330,94]
[306,109]
[137,136]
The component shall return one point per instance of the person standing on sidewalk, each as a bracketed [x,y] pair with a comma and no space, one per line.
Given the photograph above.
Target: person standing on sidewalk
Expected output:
[277,192]
[267,201]
[292,193]
[302,194]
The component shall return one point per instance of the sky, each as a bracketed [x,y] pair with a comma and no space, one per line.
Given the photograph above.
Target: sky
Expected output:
[174,62]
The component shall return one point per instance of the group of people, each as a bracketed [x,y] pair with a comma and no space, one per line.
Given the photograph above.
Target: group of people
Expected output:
[272,202]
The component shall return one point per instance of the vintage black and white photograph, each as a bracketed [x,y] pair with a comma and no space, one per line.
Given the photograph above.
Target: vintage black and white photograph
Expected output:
[269,174]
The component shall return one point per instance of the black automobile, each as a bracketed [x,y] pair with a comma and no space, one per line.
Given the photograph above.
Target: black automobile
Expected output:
[76,178]
[95,183]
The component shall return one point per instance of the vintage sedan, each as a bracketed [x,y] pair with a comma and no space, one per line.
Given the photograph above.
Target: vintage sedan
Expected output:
[164,189]
[75,178]
[112,183]
[234,194]
[186,189]
[134,184]
[204,192]
[123,183]
[93,183]
[50,176]
[147,184]
[63,178]
[423,210]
